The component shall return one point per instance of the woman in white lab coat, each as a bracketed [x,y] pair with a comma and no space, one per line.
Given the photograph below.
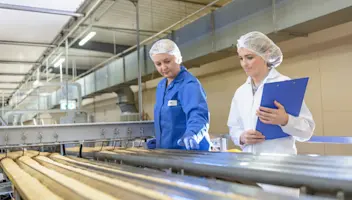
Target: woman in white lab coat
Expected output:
[259,57]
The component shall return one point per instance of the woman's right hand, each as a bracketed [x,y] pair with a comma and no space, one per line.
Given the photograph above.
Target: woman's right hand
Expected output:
[251,137]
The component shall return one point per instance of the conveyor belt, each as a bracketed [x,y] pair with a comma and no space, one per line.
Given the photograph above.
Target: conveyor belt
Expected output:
[52,176]
[49,176]
[321,174]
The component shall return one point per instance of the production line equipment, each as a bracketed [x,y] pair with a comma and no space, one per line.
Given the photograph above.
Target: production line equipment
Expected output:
[109,161]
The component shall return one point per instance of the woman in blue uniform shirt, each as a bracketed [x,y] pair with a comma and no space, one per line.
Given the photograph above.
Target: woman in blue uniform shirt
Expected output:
[181,116]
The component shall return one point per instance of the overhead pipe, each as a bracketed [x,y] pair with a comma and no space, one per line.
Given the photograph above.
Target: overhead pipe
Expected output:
[13,82]
[124,30]
[12,74]
[39,10]
[196,3]
[18,62]
[19,43]
[147,40]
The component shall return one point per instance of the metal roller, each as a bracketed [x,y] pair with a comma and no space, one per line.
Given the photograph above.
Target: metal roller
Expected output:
[315,173]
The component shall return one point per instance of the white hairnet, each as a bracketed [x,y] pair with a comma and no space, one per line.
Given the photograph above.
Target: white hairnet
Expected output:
[166,46]
[263,46]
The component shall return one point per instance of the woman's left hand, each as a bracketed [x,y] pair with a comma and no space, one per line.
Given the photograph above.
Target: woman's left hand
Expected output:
[273,116]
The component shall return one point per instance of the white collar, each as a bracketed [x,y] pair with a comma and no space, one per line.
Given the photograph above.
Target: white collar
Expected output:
[273,73]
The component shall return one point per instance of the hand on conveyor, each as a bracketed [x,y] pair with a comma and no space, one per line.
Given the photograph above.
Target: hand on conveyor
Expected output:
[151,143]
[189,142]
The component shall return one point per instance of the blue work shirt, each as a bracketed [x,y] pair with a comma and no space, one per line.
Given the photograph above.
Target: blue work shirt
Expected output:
[181,110]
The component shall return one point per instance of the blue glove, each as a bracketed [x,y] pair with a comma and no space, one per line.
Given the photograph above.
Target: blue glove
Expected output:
[151,143]
[189,142]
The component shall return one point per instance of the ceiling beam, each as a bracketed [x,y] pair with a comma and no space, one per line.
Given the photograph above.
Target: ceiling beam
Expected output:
[121,29]
[13,74]
[197,3]
[10,82]
[82,56]
[18,62]
[19,43]
[39,10]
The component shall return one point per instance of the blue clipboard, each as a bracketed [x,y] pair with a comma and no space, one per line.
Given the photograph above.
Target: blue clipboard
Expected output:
[290,94]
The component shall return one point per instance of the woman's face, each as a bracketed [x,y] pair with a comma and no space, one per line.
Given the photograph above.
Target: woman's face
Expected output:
[252,64]
[166,65]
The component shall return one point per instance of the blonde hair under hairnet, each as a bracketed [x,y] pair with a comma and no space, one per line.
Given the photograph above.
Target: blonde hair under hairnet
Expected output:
[263,46]
[166,46]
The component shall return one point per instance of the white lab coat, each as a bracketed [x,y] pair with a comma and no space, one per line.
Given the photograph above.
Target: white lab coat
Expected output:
[243,117]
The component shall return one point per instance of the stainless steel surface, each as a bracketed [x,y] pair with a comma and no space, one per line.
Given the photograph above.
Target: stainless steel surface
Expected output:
[175,186]
[39,10]
[325,174]
[36,135]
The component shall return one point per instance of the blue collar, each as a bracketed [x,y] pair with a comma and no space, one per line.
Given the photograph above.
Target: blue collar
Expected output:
[180,75]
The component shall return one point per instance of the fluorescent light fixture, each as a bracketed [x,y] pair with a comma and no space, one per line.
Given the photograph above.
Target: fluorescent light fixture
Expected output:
[59,62]
[44,94]
[87,38]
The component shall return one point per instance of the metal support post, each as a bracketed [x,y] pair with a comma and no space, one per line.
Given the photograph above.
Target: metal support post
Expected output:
[47,70]
[140,100]
[274,15]
[114,39]
[61,79]
[62,149]
[66,57]
[74,71]
[3,104]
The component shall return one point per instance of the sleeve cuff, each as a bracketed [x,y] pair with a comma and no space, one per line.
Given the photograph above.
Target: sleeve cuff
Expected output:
[197,137]
[236,139]
[289,124]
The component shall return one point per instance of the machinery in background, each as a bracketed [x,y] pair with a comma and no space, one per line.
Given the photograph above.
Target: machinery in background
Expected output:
[74,117]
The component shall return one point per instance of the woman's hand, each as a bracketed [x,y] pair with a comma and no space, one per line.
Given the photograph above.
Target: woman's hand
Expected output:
[251,137]
[273,116]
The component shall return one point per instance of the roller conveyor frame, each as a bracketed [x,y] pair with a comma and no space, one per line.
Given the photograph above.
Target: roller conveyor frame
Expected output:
[14,136]
[280,170]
